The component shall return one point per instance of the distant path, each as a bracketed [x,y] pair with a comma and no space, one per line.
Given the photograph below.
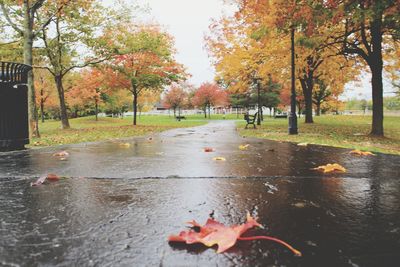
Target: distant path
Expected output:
[179,152]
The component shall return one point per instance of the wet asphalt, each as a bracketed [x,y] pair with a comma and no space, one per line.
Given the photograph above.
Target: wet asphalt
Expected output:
[121,199]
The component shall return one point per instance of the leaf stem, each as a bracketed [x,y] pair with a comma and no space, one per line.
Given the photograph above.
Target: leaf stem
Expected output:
[250,238]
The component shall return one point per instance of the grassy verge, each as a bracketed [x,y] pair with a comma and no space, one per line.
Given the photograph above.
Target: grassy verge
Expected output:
[87,129]
[338,131]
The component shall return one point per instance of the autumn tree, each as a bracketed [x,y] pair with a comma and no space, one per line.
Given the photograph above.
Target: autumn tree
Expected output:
[70,32]
[87,89]
[145,61]
[175,98]
[208,95]
[45,91]
[22,17]
[369,30]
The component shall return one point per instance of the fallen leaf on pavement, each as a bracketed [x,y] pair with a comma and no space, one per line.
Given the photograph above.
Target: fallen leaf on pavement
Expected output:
[124,145]
[244,147]
[219,158]
[216,233]
[42,179]
[208,149]
[330,168]
[302,144]
[361,153]
[61,154]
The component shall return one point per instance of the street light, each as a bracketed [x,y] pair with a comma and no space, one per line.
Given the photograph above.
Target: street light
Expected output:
[292,114]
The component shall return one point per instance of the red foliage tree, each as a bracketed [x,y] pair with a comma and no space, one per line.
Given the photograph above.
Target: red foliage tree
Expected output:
[175,98]
[208,95]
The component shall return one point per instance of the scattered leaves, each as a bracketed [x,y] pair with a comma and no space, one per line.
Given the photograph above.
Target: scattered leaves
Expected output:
[51,177]
[208,149]
[361,153]
[330,168]
[219,159]
[216,233]
[244,147]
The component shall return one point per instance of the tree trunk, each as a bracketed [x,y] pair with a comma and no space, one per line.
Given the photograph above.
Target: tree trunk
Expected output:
[174,112]
[307,86]
[28,59]
[376,66]
[209,111]
[42,110]
[135,97]
[61,98]
[205,111]
[96,109]
[318,111]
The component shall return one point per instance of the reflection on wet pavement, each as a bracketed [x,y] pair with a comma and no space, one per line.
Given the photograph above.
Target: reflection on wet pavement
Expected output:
[180,152]
[333,221]
[350,219]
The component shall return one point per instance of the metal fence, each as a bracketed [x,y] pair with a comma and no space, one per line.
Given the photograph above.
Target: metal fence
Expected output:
[14,131]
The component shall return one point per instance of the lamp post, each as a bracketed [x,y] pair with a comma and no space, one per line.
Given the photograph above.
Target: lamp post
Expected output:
[292,114]
[256,80]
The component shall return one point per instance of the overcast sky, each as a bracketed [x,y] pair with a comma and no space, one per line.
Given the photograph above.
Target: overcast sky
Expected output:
[188,21]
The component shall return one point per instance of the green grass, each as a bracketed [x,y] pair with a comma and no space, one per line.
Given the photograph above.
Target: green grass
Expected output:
[332,130]
[87,129]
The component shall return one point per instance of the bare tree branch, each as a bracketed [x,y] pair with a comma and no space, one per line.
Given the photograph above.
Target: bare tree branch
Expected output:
[7,16]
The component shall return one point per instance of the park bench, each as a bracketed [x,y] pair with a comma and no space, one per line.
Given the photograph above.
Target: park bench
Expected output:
[280,116]
[180,118]
[250,119]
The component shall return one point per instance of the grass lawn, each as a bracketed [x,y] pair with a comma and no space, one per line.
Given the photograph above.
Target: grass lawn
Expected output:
[87,129]
[332,130]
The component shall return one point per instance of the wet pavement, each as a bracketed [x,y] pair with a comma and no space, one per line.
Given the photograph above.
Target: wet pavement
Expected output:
[140,193]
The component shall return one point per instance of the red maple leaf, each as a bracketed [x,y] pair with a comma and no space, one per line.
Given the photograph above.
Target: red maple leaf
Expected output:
[215,233]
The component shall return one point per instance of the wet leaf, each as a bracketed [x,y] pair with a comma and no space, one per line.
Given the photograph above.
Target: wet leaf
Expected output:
[361,153]
[225,237]
[302,144]
[125,145]
[244,147]
[300,205]
[42,179]
[208,149]
[219,159]
[330,168]
[62,154]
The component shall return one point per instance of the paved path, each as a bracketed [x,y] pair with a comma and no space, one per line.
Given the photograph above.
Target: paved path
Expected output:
[180,153]
[350,219]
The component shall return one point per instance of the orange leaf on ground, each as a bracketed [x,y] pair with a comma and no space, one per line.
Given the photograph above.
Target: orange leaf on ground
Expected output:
[219,158]
[51,177]
[61,154]
[215,233]
[330,168]
[361,153]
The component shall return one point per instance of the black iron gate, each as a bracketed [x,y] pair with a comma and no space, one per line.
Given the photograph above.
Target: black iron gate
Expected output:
[14,131]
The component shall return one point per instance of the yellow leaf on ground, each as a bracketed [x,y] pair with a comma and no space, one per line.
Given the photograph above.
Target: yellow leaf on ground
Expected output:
[361,153]
[330,168]
[125,145]
[244,147]
[219,158]
[302,144]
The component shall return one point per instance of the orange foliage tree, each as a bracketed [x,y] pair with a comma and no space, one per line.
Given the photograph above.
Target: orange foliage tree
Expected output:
[145,62]
[175,98]
[87,89]
[210,94]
